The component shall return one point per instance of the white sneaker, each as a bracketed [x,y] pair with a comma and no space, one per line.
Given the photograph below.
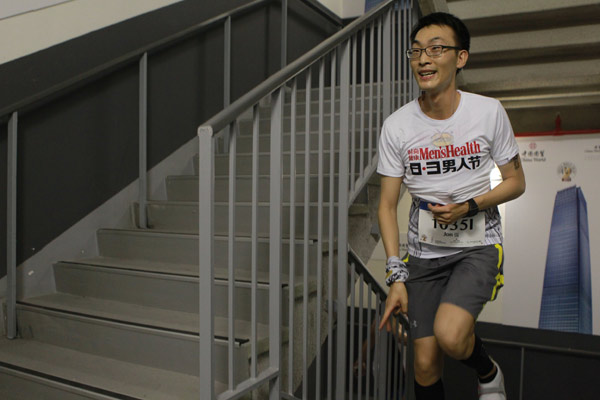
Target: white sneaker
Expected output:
[493,390]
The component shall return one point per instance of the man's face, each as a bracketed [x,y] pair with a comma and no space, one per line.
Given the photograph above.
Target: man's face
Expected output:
[437,74]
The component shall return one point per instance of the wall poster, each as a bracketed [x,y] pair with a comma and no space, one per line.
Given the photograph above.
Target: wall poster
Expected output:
[552,237]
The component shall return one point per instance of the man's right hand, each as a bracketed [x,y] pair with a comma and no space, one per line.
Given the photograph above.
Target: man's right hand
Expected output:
[397,302]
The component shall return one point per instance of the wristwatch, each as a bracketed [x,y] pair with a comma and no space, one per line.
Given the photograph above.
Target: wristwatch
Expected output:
[473,208]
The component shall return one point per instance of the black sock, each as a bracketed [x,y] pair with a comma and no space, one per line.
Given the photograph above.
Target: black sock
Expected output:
[433,392]
[480,360]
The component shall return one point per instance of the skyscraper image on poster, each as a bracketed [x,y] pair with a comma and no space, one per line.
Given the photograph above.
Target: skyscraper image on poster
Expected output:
[567,293]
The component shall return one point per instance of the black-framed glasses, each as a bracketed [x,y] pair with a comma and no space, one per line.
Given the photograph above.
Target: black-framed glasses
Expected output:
[435,50]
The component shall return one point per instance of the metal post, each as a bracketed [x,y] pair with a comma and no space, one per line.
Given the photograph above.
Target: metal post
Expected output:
[226,74]
[227,63]
[284,18]
[320,181]
[307,167]
[255,147]
[342,253]
[11,227]
[292,266]
[206,256]
[143,139]
[387,63]
[330,310]
[231,252]
[275,233]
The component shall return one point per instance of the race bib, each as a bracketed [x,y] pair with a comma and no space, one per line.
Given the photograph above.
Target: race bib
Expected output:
[465,232]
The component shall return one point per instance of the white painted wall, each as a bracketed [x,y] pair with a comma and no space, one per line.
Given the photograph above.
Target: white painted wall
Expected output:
[36,30]
[345,8]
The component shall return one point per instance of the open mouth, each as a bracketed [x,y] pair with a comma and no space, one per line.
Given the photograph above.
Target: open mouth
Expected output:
[426,74]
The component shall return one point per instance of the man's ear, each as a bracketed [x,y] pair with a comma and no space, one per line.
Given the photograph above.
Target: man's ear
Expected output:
[462,58]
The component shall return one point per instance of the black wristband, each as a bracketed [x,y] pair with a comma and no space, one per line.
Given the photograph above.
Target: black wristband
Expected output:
[473,208]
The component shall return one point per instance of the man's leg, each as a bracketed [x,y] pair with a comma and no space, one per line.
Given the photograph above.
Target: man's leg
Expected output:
[429,361]
[454,330]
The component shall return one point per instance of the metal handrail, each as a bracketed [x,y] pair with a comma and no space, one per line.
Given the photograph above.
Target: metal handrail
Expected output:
[228,115]
[382,25]
[368,276]
[63,88]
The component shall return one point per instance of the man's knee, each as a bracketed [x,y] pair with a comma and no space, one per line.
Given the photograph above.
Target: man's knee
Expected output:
[428,361]
[453,330]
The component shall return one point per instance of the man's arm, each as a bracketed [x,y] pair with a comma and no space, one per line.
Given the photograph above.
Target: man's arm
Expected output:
[511,187]
[388,214]
[397,300]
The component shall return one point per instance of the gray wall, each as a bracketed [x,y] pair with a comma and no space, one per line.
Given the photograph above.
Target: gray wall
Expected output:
[78,150]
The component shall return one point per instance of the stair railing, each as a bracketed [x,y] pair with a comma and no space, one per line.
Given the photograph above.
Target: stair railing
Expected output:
[13,112]
[366,72]
[385,356]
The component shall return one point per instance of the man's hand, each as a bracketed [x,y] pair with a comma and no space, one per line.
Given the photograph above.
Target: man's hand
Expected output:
[448,213]
[397,302]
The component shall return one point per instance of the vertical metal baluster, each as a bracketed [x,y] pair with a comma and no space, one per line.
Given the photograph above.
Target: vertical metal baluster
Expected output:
[401,52]
[395,370]
[389,360]
[381,351]
[11,226]
[405,65]
[380,69]
[206,148]
[231,253]
[331,229]
[227,73]
[371,90]
[143,134]
[521,373]
[255,151]
[292,273]
[351,353]
[284,23]
[362,103]
[369,334]
[410,371]
[306,231]
[343,216]
[353,132]
[275,231]
[403,364]
[320,225]
[392,68]
[361,310]
[412,15]
[387,62]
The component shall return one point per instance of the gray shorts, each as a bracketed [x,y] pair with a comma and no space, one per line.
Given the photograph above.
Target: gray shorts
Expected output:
[468,279]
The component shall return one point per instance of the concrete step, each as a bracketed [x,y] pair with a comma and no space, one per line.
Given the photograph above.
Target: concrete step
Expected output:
[183,217]
[246,126]
[244,142]
[35,370]
[145,316]
[171,351]
[544,45]
[185,188]
[179,253]
[244,162]
[484,17]
[177,296]
[110,339]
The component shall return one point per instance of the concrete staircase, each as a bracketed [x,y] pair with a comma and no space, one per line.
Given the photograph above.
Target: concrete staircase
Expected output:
[540,58]
[124,323]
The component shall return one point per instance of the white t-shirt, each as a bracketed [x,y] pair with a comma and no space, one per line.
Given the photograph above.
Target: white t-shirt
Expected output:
[447,161]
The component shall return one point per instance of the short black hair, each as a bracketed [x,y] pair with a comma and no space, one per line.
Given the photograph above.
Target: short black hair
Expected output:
[461,33]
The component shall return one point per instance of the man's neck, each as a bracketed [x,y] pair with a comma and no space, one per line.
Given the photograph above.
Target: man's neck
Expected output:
[440,105]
